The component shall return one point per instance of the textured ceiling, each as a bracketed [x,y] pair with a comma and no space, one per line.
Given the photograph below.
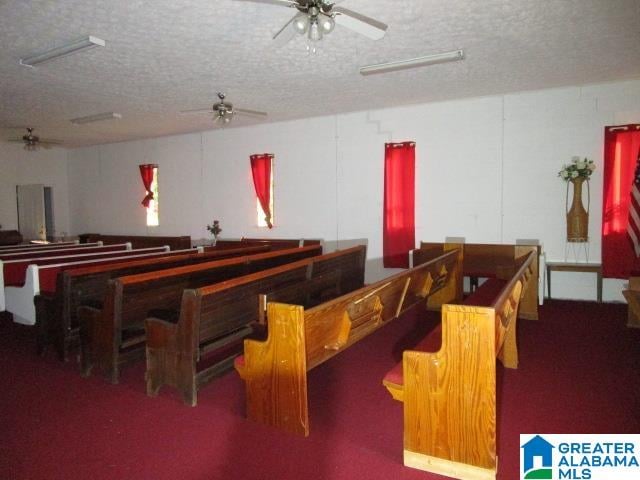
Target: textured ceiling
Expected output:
[163,56]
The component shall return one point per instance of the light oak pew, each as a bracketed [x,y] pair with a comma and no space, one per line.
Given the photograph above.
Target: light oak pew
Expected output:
[632,296]
[75,285]
[112,335]
[449,394]
[214,319]
[489,260]
[299,339]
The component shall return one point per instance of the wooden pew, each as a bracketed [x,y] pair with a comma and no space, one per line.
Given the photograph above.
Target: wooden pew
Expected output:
[632,295]
[214,319]
[113,335]
[274,243]
[139,241]
[21,278]
[66,250]
[449,395]
[37,246]
[78,284]
[275,370]
[489,260]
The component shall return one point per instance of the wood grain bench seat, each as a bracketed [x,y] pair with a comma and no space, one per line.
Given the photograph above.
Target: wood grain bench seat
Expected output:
[129,299]
[215,319]
[301,338]
[447,383]
[85,284]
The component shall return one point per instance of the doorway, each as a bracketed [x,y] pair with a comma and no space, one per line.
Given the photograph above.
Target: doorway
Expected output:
[35,212]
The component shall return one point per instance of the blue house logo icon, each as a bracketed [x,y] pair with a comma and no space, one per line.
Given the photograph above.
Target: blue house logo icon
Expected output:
[537,447]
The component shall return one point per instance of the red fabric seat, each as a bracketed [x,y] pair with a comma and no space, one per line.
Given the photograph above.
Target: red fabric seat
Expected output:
[430,343]
[484,296]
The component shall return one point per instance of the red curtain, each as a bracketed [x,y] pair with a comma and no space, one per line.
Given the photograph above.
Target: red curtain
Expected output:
[399,204]
[146,172]
[261,171]
[621,145]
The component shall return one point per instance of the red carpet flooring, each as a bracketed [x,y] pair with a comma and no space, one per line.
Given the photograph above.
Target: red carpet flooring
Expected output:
[579,373]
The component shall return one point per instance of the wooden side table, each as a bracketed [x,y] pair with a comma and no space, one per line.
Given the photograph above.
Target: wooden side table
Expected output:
[576,267]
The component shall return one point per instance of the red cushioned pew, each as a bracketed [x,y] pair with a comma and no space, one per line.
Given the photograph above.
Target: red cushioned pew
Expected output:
[21,278]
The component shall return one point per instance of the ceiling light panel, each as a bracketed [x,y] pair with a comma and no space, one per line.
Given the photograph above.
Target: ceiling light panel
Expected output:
[85,43]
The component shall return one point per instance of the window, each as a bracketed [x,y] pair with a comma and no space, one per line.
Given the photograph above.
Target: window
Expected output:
[399,204]
[149,174]
[261,217]
[153,219]
[621,159]
[262,172]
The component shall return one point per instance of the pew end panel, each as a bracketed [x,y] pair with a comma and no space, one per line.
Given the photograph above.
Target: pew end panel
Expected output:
[276,382]
[171,351]
[449,395]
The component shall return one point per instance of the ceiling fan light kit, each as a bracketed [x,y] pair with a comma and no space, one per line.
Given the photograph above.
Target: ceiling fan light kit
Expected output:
[98,117]
[452,56]
[82,44]
[316,18]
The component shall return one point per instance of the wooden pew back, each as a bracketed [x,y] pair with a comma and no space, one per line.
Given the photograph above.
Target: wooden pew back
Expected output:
[139,241]
[275,371]
[129,300]
[210,314]
[86,285]
[489,260]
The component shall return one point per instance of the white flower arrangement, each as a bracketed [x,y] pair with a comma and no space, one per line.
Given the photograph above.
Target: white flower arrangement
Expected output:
[577,168]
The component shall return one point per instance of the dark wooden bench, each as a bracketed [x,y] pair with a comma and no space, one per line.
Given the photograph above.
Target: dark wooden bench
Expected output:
[56,308]
[112,334]
[486,260]
[10,237]
[214,319]
[447,382]
[139,241]
[275,370]
[274,243]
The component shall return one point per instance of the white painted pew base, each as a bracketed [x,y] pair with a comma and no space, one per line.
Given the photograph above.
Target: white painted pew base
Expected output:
[448,468]
[19,300]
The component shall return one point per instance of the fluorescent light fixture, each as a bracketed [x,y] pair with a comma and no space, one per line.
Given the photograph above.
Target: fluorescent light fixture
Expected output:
[98,117]
[412,63]
[63,50]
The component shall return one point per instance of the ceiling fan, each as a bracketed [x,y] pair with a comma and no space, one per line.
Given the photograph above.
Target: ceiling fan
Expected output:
[223,112]
[32,142]
[316,18]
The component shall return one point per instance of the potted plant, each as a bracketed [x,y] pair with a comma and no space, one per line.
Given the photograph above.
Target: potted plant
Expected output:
[215,230]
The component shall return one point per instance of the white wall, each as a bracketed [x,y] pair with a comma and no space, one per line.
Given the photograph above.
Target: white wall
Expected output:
[19,167]
[486,170]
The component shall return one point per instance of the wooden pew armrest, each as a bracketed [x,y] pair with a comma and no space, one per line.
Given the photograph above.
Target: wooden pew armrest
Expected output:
[160,333]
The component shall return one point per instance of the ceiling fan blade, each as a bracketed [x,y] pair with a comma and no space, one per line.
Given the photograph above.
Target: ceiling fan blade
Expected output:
[51,142]
[196,111]
[359,23]
[254,113]
[281,3]
[286,33]
[15,140]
